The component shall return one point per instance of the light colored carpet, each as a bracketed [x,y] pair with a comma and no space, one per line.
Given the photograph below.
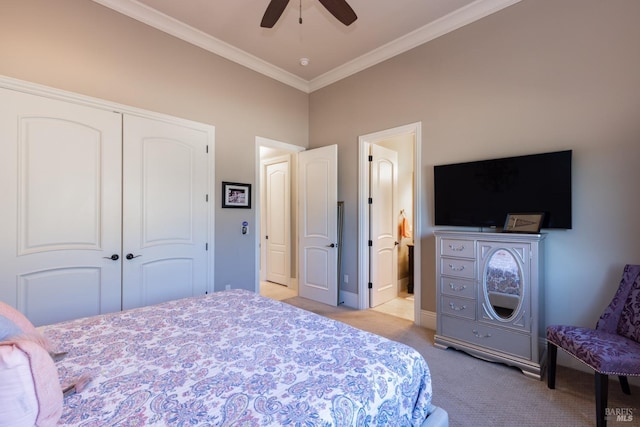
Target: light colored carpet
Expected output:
[478,393]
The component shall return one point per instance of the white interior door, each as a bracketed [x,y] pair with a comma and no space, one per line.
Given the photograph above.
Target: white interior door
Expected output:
[277,222]
[165,209]
[60,170]
[318,224]
[384,225]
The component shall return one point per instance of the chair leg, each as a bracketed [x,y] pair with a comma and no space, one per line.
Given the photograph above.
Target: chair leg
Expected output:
[552,354]
[602,394]
[624,383]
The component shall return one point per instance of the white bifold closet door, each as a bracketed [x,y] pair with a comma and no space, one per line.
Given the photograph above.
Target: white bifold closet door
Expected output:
[62,215]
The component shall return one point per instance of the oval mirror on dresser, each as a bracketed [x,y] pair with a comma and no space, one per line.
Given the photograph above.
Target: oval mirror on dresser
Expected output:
[502,279]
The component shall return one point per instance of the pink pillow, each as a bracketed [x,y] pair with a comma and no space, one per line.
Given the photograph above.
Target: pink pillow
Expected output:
[18,318]
[24,324]
[30,392]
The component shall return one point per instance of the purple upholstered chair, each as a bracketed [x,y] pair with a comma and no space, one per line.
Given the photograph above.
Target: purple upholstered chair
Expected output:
[612,348]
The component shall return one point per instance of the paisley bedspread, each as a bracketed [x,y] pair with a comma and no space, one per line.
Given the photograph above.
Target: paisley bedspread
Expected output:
[235,358]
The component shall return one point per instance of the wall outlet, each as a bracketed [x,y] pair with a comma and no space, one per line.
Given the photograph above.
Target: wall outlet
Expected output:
[227,287]
[346,278]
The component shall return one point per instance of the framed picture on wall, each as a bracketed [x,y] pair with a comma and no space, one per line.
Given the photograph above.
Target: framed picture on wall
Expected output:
[236,195]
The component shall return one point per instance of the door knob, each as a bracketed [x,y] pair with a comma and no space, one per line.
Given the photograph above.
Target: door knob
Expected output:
[113,257]
[333,245]
[132,256]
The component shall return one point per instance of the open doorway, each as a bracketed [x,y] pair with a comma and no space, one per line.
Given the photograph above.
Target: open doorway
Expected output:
[276,213]
[311,260]
[398,207]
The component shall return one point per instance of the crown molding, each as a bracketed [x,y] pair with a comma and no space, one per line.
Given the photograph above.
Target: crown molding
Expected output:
[172,26]
[459,18]
[448,23]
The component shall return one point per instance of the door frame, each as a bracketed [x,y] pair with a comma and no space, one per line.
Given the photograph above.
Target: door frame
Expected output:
[291,149]
[364,142]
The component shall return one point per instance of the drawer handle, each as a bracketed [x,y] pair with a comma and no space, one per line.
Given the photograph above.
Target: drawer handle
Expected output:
[457,248]
[453,307]
[457,288]
[454,268]
[477,334]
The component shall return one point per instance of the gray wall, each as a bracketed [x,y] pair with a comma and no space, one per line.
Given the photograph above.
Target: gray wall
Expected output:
[538,76]
[80,46]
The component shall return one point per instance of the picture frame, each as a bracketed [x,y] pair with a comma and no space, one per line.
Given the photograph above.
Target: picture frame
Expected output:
[236,195]
[529,222]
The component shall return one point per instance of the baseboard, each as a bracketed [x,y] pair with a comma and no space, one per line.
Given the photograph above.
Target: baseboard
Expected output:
[428,319]
[348,299]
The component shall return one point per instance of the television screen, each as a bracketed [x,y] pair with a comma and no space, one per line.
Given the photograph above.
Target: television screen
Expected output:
[482,193]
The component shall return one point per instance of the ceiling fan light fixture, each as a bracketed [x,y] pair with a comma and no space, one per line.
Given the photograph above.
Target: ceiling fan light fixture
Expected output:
[340,9]
[304,61]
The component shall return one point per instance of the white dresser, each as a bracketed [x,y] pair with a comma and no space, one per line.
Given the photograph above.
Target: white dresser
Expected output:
[490,297]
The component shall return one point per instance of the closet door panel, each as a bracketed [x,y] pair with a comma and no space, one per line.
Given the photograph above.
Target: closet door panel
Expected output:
[61,207]
[67,289]
[165,211]
[59,183]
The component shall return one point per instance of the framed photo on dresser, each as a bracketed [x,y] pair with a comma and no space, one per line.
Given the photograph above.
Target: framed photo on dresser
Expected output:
[523,222]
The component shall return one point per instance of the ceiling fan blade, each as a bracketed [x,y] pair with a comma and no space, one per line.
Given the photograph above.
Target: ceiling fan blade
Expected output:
[341,10]
[273,13]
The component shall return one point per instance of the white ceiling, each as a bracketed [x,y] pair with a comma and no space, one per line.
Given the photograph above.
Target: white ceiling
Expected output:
[231,28]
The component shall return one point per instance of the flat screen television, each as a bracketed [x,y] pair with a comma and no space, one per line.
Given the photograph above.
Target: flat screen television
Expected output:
[482,193]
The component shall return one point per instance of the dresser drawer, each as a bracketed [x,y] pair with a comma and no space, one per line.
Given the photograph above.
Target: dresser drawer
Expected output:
[454,267]
[457,287]
[458,307]
[458,248]
[487,336]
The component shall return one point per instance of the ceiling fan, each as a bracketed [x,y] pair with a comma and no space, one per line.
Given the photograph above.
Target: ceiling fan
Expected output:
[338,8]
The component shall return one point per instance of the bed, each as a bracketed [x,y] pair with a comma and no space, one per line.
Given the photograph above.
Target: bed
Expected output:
[234,358]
